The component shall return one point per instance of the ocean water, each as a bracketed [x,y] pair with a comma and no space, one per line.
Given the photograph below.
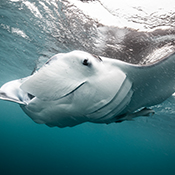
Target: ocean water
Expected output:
[30,33]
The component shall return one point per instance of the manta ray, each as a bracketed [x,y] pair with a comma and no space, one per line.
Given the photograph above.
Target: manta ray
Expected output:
[77,87]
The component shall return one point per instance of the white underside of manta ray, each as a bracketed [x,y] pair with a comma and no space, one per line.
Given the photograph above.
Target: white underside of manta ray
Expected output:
[78,87]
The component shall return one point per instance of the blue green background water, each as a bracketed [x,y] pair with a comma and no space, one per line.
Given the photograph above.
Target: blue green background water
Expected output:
[27,38]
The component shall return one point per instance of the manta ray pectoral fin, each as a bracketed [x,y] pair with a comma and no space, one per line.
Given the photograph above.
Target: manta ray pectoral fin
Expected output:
[152,83]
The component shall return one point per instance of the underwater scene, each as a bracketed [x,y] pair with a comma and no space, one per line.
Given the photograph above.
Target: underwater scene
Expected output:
[31,32]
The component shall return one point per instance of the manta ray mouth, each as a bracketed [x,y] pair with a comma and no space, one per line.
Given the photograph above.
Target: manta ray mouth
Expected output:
[31,97]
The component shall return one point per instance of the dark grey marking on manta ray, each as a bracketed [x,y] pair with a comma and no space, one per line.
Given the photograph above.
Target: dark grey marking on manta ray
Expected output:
[31,96]
[98,57]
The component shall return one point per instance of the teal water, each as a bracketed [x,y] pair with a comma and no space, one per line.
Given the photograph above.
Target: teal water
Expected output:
[30,32]
[127,148]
